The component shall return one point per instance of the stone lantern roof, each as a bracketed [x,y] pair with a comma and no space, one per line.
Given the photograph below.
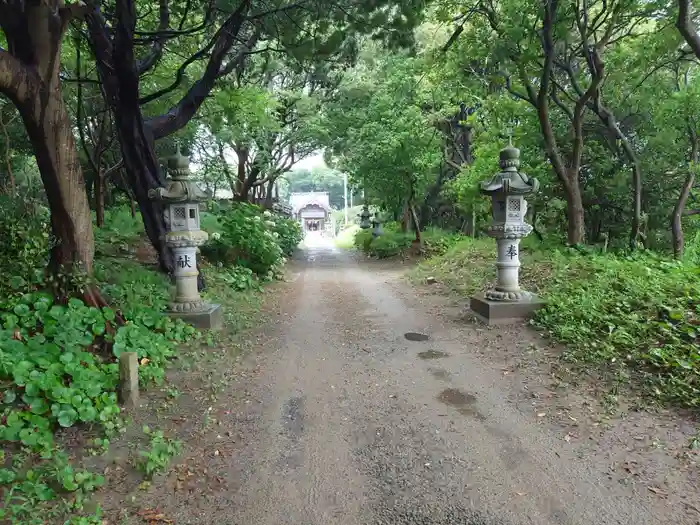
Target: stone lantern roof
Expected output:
[180,187]
[509,180]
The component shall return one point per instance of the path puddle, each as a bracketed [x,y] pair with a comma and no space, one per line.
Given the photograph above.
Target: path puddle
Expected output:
[415,336]
[463,402]
[440,373]
[432,354]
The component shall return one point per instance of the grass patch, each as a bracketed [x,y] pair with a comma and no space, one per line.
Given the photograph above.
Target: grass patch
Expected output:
[346,238]
[635,316]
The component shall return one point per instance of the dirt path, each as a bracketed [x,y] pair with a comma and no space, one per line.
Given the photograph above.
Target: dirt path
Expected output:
[341,420]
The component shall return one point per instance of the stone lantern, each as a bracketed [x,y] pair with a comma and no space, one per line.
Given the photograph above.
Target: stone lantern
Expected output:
[376,226]
[364,218]
[507,302]
[181,197]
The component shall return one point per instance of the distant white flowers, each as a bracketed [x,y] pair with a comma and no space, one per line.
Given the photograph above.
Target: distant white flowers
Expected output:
[267,213]
[215,236]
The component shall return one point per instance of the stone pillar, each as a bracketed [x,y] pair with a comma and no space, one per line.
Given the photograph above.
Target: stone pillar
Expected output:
[506,301]
[186,274]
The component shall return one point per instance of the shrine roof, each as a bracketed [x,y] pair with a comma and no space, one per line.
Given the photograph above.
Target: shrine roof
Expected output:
[301,200]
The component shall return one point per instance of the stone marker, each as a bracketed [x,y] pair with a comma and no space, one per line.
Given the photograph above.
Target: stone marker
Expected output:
[182,197]
[507,302]
[129,379]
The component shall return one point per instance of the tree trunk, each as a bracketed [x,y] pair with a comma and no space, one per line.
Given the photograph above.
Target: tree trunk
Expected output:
[576,230]
[50,133]
[268,195]
[678,240]
[99,187]
[143,171]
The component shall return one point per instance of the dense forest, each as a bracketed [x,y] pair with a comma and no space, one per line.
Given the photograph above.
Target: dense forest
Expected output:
[411,99]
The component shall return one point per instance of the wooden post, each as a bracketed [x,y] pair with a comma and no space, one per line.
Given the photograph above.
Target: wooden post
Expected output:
[129,379]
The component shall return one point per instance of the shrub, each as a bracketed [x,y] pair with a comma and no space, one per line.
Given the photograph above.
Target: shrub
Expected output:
[288,232]
[363,238]
[390,245]
[25,239]
[437,241]
[245,240]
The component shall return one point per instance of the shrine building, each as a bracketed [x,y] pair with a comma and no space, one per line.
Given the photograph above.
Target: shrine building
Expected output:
[312,209]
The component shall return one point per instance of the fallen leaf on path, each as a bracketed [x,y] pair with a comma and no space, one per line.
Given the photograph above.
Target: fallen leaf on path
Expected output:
[542,414]
[154,516]
[658,491]
[521,493]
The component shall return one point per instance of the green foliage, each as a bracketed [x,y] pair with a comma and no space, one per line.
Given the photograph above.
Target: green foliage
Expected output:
[465,268]
[437,241]
[120,228]
[249,238]
[363,238]
[161,451]
[287,232]
[131,287]
[390,244]
[32,485]
[55,379]
[238,278]
[379,132]
[346,237]
[25,238]
[640,313]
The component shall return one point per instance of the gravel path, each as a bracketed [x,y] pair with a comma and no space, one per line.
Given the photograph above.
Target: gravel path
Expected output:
[348,422]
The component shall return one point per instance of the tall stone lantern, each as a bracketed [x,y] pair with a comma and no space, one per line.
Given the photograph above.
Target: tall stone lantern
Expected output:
[507,302]
[364,218]
[181,197]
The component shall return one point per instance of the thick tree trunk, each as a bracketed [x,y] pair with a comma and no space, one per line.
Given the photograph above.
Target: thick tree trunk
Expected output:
[143,171]
[576,230]
[50,133]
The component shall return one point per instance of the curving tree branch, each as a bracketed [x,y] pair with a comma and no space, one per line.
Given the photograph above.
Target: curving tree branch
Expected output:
[685,25]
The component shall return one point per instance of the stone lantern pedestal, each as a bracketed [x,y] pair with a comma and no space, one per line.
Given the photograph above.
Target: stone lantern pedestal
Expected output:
[507,302]
[182,197]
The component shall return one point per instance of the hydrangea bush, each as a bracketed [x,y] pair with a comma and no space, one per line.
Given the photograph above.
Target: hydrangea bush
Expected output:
[254,239]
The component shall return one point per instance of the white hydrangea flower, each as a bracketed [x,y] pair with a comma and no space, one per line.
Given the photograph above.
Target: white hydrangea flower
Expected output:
[216,236]
[271,224]
[275,235]
[267,213]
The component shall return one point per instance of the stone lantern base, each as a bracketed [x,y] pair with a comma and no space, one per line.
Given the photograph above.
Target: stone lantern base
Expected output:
[211,318]
[504,312]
